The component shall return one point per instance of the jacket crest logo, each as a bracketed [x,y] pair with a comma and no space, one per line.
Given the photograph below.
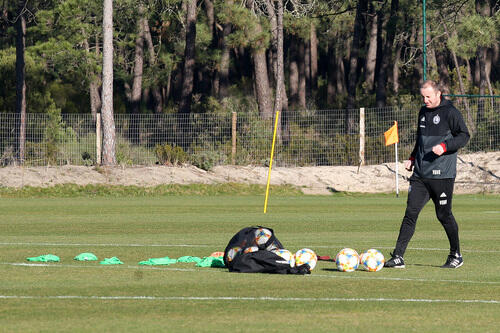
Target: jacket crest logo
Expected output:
[436,119]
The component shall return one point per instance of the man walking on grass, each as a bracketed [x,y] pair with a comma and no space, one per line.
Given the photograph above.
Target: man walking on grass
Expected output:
[441,132]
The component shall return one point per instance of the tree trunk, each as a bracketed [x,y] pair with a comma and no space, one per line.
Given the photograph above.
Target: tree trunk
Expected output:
[341,84]
[21,77]
[371,56]
[314,57]
[353,64]
[108,151]
[261,73]
[223,74]
[444,74]
[271,12]
[294,74]
[331,90]
[481,63]
[209,7]
[381,90]
[483,9]
[279,56]
[155,89]
[136,93]
[281,99]
[262,88]
[302,74]
[95,99]
[189,59]
[395,68]
[307,65]
[495,61]
[469,70]
[431,54]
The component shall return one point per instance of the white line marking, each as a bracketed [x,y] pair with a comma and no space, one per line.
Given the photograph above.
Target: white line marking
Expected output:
[121,245]
[59,265]
[279,299]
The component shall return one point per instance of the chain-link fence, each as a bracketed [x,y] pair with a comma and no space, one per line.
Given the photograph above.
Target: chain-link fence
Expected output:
[305,138]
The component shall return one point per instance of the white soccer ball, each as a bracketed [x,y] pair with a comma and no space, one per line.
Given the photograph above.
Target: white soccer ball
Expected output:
[233,252]
[251,249]
[373,260]
[286,255]
[347,260]
[262,235]
[306,256]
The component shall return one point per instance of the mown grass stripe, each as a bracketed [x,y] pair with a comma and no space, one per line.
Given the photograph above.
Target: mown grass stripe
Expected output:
[206,245]
[348,276]
[232,298]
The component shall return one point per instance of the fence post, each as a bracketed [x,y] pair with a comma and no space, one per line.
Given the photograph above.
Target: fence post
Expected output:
[233,134]
[98,143]
[362,136]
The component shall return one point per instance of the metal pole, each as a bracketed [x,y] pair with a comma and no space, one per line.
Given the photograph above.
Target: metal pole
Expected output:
[361,136]
[98,138]
[397,174]
[424,41]
[233,143]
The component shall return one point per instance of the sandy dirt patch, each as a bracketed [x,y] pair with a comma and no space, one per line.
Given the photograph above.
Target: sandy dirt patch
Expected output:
[476,173]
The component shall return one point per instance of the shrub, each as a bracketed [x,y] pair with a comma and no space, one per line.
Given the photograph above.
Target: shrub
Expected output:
[170,155]
[55,133]
[207,159]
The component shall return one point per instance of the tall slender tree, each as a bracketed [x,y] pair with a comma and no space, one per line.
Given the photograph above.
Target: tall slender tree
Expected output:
[386,55]
[108,123]
[352,81]
[371,56]
[21,76]
[136,93]
[189,59]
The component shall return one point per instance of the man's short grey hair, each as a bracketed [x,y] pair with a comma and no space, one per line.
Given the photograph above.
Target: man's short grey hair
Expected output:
[433,84]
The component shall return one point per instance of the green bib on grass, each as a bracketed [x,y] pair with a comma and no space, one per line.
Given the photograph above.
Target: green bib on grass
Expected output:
[86,257]
[158,261]
[189,259]
[211,262]
[44,258]
[111,261]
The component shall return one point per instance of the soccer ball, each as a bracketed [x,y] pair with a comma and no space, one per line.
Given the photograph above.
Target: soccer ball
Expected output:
[306,256]
[233,252]
[373,260]
[285,254]
[262,235]
[347,260]
[361,257]
[251,249]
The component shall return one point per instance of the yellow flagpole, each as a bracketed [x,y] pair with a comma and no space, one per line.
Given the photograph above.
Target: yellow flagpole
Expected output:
[271,161]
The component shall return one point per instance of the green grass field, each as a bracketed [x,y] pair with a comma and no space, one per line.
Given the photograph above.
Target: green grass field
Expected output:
[85,296]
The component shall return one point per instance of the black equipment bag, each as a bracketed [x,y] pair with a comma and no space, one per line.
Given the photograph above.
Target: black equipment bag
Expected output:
[244,255]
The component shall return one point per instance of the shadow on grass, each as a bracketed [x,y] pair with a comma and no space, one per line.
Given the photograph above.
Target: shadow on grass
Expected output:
[424,265]
[337,270]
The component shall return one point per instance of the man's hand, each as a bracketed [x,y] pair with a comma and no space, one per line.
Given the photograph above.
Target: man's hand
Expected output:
[438,150]
[409,165]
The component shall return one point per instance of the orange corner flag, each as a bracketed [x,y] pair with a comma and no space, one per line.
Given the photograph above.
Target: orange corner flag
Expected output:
[391,135]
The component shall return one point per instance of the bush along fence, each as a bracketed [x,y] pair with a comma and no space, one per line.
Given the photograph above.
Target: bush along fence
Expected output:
[305,138]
